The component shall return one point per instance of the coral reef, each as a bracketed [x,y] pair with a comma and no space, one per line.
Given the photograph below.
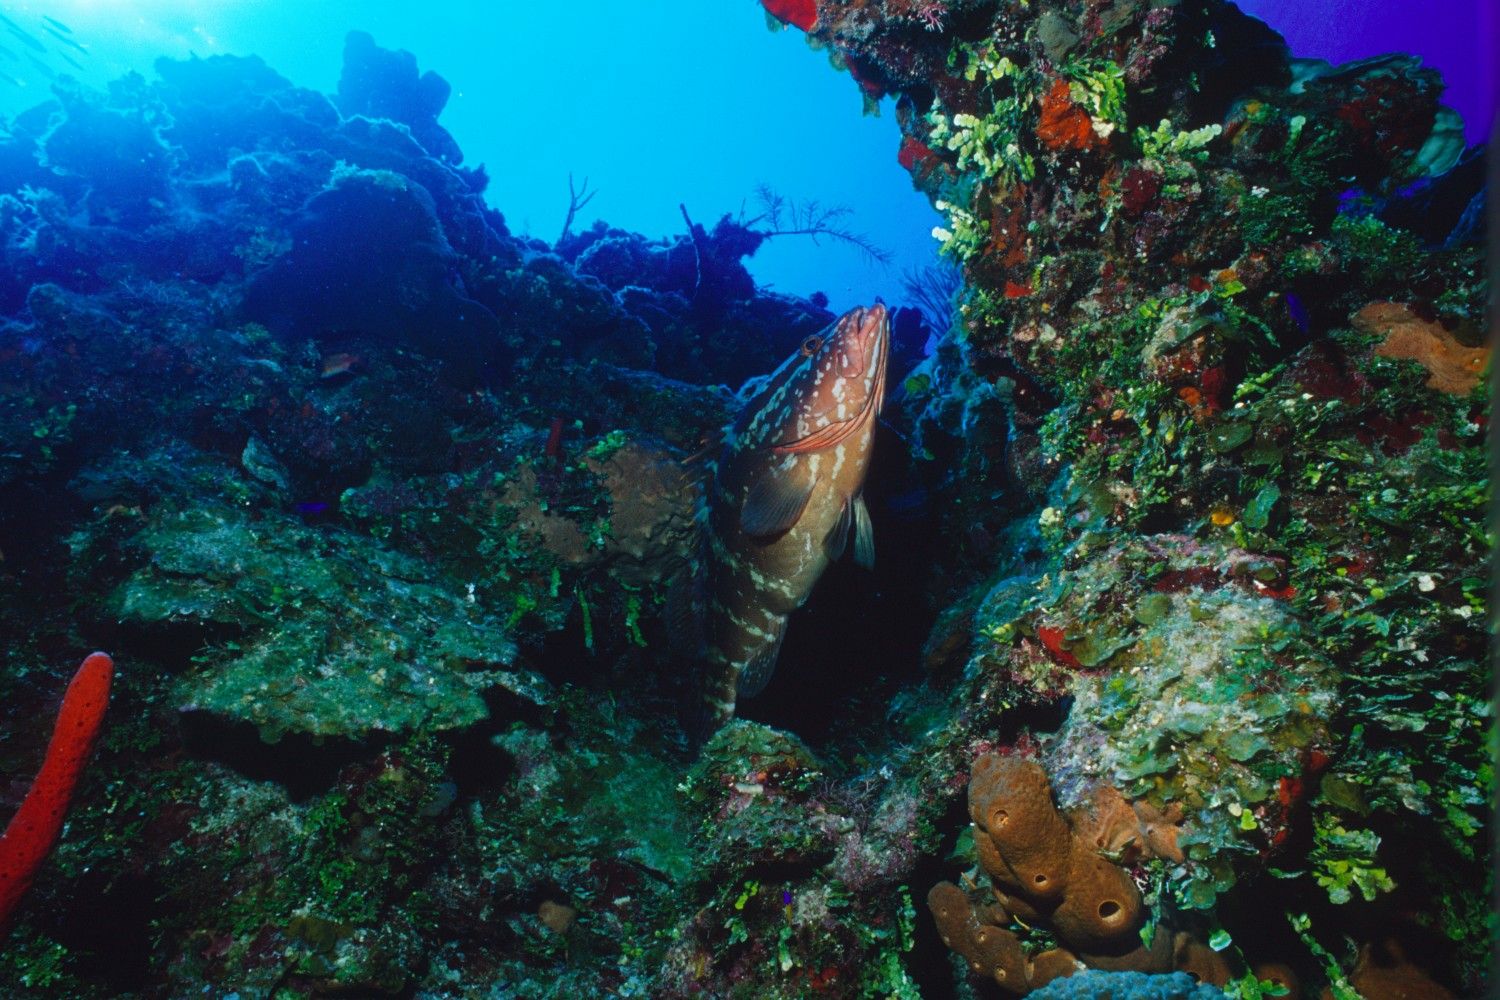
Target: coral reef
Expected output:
[336,274]
[346,472]
[380,84]
[1217,389]
[393,520]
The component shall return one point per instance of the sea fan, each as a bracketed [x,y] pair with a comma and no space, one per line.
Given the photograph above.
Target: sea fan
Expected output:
[934,290]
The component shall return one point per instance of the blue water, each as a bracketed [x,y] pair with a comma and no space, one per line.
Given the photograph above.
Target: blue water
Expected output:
[661,104]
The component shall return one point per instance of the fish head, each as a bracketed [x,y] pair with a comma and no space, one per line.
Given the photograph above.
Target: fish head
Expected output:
[832,387]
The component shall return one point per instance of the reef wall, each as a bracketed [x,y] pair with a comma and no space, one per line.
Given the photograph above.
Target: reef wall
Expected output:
[1234,303]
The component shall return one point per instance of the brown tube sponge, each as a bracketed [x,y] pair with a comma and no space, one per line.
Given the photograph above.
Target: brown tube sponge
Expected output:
[1199,960]
[952,914]
[1157,957]
[989,858]
[1102,907]
[1383,972]
[991,952]
[1002,958]
[1054,963]
[1161,828]
[1108,824]
[1011,800]
[1281,974]
[1048,869]
[1016,905]
[992,911]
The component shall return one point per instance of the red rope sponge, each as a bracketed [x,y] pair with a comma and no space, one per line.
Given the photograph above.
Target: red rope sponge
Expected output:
[33,830]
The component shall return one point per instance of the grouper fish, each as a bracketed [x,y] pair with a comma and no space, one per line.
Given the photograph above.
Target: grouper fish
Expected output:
[785,497]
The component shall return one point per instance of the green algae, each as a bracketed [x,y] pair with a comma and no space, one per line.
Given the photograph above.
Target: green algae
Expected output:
[1209,709]
[788,856]
[332,882]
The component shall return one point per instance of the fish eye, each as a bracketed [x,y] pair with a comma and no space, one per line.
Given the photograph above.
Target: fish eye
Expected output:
[810,346]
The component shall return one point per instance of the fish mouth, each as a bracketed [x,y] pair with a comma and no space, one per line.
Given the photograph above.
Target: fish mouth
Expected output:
[864,335]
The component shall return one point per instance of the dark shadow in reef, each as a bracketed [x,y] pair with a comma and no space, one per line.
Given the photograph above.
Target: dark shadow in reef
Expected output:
[1444,211]
[477,763]
[930,961]
[1390,924]
[303,764]
[1247,53]
[107,928]
[171,644]
[307,765]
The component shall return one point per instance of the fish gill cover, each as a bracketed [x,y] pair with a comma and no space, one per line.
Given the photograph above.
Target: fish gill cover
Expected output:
[1172,664]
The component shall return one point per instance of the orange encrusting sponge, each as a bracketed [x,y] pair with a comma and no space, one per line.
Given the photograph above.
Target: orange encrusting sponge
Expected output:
[33,830]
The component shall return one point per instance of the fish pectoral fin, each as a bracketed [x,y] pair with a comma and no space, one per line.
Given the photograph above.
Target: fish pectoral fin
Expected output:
[838,536]
[834,433]
[864,534]
[699,466]
[757,673]
[774,504]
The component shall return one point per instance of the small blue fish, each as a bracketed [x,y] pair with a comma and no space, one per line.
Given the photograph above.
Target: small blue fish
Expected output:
[57,24]
[1355,201]
[1295,309]
[25,36]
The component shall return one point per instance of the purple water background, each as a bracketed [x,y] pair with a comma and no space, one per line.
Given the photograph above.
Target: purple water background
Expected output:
[1456,37]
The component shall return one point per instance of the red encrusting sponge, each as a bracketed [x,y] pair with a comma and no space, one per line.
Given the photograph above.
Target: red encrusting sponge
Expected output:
[802,13]
[33,830]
